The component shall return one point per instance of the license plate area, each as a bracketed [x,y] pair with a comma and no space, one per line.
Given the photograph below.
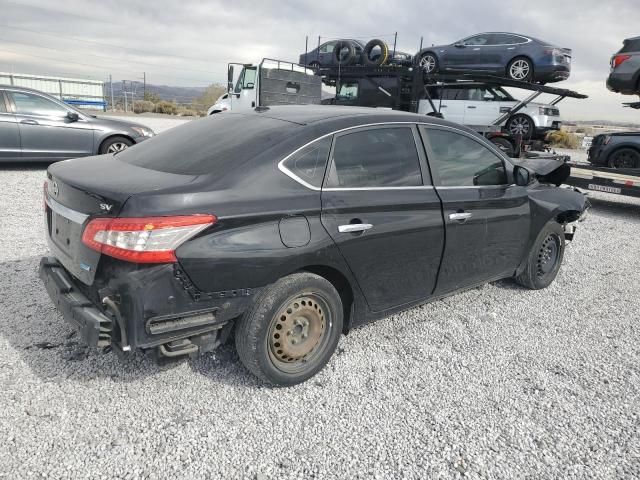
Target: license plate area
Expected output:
[65,233]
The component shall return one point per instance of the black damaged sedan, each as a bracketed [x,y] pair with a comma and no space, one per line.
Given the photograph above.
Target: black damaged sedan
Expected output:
[284,227]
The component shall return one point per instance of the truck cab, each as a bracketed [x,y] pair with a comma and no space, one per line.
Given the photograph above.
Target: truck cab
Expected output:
[271,82]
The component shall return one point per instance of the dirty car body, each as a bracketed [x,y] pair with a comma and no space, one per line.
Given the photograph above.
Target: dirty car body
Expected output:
[285,190]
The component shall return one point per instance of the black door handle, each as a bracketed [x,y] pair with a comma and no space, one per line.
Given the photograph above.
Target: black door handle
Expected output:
[471,106]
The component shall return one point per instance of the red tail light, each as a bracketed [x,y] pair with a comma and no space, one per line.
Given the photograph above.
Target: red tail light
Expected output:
[618,60]
[143,240]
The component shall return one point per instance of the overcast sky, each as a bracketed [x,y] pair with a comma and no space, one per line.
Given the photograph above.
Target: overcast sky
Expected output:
[189,42]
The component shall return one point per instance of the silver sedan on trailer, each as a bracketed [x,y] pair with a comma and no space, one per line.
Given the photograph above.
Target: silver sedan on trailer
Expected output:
[36,127]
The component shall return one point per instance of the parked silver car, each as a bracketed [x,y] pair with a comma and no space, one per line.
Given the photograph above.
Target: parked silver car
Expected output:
[37,127]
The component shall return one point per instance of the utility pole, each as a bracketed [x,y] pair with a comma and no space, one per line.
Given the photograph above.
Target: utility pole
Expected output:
[113,105]
[124,92]
[144,85]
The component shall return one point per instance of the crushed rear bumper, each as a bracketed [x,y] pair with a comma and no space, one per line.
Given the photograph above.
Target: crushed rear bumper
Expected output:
[94,326]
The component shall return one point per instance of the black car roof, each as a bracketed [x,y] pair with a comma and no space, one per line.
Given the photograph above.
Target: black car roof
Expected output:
[326,115]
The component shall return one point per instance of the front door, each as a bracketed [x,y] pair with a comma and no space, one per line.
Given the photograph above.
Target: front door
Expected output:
[9,133]
[45,130]
[244,96]
[379,207]
[487,219]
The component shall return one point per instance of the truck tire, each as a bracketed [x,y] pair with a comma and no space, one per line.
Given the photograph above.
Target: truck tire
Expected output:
[115,145]
[545,258]
[292,329]
[346,58]
[368,49]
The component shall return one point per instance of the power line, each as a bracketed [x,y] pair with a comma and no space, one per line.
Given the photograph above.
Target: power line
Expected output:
[75,39]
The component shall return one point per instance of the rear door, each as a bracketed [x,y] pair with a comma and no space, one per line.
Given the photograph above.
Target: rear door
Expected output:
[9,132]
[45,130]
[482,107]
[379,207]
[486,217]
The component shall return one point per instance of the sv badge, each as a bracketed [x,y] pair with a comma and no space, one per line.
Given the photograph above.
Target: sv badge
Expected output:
[106,207]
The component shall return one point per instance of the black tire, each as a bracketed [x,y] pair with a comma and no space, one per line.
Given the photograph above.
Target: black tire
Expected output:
[545,258]
[368,49]
[344,58]
[272,341]
[503,144]
[429,63]
[626,158]
[115,145]
[520,124]
[520,68]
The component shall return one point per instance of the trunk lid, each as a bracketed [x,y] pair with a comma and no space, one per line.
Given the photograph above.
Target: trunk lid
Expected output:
[77,190]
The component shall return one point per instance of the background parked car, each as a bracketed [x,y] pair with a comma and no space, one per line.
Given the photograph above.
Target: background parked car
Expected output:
[37,127]
[616,150]
[625,68]
[510,55]
[476,103]
[324,55]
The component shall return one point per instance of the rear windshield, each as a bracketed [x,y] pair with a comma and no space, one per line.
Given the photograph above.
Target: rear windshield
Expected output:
[213,144]
[631,46]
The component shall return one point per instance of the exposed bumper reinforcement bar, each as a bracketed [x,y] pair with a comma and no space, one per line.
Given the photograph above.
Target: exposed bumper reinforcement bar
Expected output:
[94,326]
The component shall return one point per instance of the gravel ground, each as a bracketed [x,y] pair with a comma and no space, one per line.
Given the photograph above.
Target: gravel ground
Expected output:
[497,382]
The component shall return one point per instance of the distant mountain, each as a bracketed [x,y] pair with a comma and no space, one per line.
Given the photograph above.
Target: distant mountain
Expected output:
[165,92]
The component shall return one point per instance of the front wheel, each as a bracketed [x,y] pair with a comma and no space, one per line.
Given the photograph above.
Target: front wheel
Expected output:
[429,63]
[292,329]
[115,145]
[545,258]
[624,158]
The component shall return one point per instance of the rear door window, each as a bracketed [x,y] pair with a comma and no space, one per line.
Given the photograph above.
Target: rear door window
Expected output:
[375,158]
[631,46]
[460,161]
[309,163]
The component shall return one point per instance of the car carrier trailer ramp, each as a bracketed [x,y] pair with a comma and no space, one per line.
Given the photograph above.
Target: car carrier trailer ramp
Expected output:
[608,180]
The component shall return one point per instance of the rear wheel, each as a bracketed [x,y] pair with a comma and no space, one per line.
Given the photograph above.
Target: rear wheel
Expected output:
[115,145]
[521,69]
[292,329]
[545,258]
[624,158]
[520,124]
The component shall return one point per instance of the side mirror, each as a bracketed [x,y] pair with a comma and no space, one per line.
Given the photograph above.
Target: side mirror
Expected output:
[73,116]
[459,45]
[522,176]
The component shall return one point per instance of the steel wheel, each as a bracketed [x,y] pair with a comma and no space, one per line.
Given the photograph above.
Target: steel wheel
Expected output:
[428,63]
[548,255]
[520,69]
[117,147]
[625,158]
[298,334]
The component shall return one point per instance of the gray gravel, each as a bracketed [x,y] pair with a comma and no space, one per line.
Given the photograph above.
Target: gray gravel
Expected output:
[497,382]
